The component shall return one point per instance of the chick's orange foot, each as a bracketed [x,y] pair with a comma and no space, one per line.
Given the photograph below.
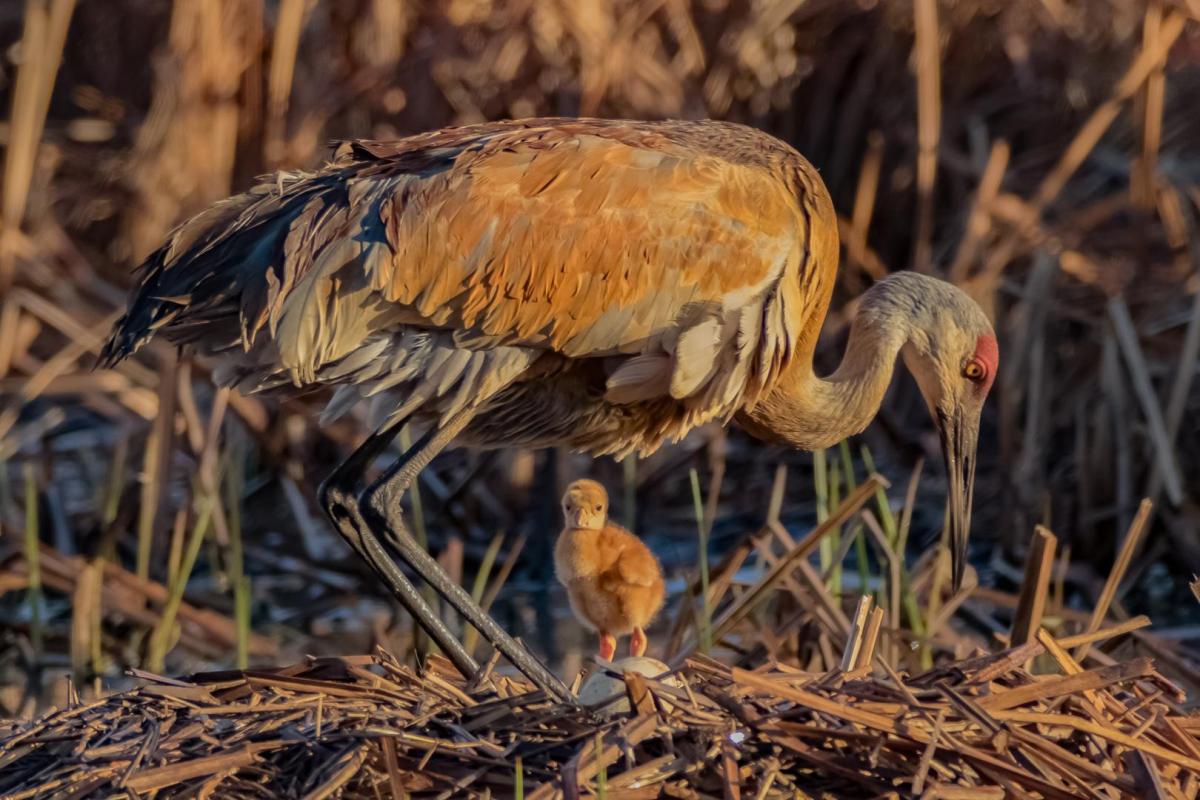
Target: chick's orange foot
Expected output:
[638,642]
[608,647]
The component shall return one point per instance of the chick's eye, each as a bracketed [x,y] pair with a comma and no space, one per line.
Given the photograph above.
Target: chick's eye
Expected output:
[597,508]
[974,370]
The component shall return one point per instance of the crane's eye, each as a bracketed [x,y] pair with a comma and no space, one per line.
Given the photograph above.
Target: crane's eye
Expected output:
[975,370]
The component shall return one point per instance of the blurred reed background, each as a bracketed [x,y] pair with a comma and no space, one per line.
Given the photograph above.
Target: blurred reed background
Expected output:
[1041,153]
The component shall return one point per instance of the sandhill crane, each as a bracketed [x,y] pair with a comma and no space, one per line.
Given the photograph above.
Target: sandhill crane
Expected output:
[602,285]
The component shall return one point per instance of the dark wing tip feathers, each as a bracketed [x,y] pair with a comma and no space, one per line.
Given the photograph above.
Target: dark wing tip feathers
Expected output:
[136,325]
[115,349]
[123,340]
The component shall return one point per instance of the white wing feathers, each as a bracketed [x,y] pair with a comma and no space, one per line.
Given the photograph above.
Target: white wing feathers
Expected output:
[711,362]
[640,378]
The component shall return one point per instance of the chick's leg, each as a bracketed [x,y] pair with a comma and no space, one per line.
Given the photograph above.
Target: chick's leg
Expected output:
[638,642]
[608,646]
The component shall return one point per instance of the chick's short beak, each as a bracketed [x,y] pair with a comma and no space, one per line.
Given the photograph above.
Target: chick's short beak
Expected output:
[959,435]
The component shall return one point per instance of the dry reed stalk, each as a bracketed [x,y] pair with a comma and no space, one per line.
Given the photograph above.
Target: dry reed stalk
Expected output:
[36,383]
[1189,354]
[864,205]
[858,631]
[895,570]
[929,125]
[1148,59]
[872,264]
[156,470]
[1129,625]
[42,42]
[185,150]
[866,655]
[979,219]
[1128,547]
[1032,605]
[1143,388]
[10,323]
[86,616]
[289,24]
[1149,109]
[1089,134]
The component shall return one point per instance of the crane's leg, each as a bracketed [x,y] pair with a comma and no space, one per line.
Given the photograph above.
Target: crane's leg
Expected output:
[339,497]
[382,500]
[349,506]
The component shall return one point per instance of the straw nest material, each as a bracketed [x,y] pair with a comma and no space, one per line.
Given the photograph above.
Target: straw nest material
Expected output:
[368,726]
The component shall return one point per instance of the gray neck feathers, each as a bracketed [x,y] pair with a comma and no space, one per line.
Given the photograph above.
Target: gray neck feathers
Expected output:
[810,412]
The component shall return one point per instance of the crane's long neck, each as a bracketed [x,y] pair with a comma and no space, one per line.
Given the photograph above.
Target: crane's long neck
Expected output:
[809,412]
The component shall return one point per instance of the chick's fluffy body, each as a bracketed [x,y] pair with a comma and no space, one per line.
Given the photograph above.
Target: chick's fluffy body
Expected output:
[613,580]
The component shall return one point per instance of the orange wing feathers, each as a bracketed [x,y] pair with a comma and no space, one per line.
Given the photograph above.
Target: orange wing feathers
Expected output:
[695,256]
[636,564]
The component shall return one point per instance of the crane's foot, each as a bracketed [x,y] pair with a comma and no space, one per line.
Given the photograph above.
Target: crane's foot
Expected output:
[608,646]
[638,642]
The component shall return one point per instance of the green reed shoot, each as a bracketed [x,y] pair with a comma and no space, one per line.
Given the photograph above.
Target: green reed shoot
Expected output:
[702,531]
[887,520]
[175,547]
[891,530]
[629,469]
[149,503]
[116,482]
[164,631]
[908,600]
[519,779]
[239,581]
[821,491]
[32,560]
[471,636]
[835,536]
[860,539]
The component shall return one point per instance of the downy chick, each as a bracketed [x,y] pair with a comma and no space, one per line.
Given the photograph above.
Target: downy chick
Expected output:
[614,582]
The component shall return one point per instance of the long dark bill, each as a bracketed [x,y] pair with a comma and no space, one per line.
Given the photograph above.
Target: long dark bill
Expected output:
[959,437]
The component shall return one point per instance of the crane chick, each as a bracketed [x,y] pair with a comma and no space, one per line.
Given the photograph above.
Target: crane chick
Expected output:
[614,582]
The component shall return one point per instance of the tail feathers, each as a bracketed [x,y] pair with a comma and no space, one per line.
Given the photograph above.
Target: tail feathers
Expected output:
[226,263]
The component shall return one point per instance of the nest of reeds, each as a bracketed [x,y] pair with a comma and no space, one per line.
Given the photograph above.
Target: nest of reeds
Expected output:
[369,726]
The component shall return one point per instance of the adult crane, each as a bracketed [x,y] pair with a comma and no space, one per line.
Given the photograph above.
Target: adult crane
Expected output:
[603,285]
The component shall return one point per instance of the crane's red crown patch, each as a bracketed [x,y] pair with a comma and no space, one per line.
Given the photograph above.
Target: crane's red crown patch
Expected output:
[987,352]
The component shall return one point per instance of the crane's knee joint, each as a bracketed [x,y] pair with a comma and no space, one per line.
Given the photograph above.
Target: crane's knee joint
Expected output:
[336,501]
[378,501]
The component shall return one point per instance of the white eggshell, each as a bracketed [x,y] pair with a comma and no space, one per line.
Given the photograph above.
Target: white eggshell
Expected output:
[599,685]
